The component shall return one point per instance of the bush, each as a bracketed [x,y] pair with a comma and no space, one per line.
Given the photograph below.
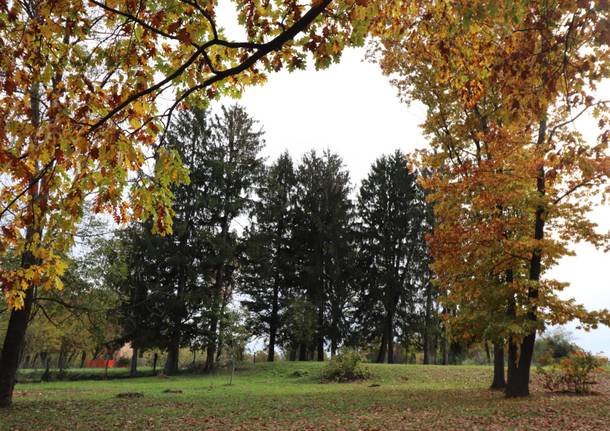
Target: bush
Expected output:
[346,367]
[573,374]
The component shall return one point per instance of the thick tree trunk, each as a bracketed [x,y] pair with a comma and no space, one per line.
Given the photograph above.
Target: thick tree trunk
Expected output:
[13,343]
[133,366]
[519,365]
[171,363]
[499,381]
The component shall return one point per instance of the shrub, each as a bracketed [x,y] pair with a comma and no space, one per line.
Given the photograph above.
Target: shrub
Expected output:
[346,367]
[573,374]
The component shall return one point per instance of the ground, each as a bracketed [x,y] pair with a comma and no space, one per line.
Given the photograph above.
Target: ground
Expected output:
[289,396]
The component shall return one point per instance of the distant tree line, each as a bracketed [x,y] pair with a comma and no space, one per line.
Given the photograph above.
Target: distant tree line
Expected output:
[313,269]
[282,251]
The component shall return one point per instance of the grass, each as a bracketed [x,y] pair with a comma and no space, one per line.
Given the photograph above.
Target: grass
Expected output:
[270,396]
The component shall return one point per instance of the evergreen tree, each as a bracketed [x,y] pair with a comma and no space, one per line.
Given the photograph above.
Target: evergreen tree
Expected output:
[324,240]
[232,168]
[268,273]
[394,219]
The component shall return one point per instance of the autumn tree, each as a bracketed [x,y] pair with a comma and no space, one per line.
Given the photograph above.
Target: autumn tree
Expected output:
[513,180]
[79,83]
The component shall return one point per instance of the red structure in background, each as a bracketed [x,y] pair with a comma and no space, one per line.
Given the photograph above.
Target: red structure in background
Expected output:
[100,363]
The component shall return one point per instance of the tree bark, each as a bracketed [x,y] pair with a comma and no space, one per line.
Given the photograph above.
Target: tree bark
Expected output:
[382,349]
[171,363]
[155,358]
[273,323]
[390,329]
[133,366]
[519,364]
[499,381]
[83,357]
[13,342]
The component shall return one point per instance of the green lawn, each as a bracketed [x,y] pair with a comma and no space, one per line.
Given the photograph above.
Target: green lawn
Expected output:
[268,396]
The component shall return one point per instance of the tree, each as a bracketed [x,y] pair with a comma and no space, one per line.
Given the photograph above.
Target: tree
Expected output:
[233,167]
[394,219]
[70,130]
[323,233]
[512,179]
[267,274]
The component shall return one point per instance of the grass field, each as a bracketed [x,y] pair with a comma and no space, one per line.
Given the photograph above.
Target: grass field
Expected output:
[271,397]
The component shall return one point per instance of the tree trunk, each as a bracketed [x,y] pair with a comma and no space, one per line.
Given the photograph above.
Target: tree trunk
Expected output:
[320,335]
[498,382]
[390,329]
[155,358]
[520,359]
[83,357]
[13,342]
[382,349]
[212,343]
[302,352]
[133,368]
[211,349]
[220,342]
[445,350]
[519,366]
[429,354]
[273,323]
[333,347]
[171,363]
[487,352]
[426,346]
[47,373]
